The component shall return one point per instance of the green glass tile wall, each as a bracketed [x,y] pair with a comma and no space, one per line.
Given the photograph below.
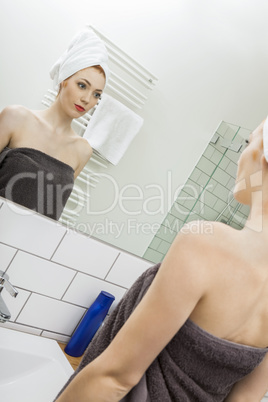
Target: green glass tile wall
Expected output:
[207,194]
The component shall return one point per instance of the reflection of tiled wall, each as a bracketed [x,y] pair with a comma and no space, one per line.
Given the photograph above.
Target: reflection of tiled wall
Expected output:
[57,271]
[207,194]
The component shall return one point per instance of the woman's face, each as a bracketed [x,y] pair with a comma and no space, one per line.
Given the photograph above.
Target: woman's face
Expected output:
[249,170]
[81,91]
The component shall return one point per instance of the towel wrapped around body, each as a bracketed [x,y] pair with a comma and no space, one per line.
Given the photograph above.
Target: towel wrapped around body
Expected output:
[194,366]
[35,180]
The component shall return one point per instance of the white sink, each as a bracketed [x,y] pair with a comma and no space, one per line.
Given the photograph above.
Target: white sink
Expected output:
[32,368]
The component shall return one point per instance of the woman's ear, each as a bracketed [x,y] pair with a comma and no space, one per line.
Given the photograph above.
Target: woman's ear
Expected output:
[59,90]
[264,163]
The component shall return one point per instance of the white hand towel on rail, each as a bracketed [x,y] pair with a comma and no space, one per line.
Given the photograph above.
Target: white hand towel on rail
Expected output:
[111,128]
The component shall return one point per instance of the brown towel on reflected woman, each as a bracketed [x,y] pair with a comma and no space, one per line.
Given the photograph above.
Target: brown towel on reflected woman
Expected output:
[35,180]
[194,366]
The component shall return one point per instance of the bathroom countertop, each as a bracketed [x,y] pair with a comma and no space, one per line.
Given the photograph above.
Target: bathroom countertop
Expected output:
[74,361]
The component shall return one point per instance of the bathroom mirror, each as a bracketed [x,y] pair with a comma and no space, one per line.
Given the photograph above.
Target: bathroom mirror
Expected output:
[210,60]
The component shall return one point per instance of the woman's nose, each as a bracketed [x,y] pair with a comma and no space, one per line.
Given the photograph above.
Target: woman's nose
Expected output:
[88,99]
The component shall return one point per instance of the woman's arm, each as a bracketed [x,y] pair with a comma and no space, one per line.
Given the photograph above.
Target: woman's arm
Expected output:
[253,387]
[180,283]
[85,152]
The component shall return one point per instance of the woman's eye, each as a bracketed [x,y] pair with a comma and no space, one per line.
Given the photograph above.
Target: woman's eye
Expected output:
[97,95]
[82,85]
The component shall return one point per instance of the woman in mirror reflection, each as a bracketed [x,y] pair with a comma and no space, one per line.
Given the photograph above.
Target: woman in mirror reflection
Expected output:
[195,327]
[40,154]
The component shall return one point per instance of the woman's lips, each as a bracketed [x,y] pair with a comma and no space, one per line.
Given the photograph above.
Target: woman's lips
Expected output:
[79,108]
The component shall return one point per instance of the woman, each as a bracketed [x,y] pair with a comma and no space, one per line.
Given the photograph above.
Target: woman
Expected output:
[41,154]
[198,324]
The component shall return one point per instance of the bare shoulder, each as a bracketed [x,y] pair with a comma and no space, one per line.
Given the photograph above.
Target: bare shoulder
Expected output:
[188,261]
[200,241]
[191,245]
[15,110]
[13,115]
[84,151]
[203,232]
[12,119]
[193,255]
[206,230]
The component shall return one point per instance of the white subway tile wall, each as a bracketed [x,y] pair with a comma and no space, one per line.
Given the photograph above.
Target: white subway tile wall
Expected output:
[57,271]
[23,328]
[84,290]
[6,253]
[27,271]
[85,254]
[125,270]
[41,311]
[29,231]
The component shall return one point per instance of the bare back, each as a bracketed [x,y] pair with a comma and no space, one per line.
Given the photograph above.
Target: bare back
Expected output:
[235,307]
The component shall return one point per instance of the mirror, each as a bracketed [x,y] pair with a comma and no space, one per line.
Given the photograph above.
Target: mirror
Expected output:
[210,61]
[207,195]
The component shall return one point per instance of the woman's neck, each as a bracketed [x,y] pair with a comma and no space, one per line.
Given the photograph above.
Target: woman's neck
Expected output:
[258,216]
[57,118]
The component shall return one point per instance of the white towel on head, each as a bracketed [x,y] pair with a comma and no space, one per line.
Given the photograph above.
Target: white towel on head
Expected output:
[85,50]
[111,129]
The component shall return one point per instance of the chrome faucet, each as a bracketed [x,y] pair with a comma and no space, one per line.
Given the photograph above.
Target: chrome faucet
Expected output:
[4,283]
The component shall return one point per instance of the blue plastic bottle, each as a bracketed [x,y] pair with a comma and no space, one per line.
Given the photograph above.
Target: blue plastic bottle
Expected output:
[89,324]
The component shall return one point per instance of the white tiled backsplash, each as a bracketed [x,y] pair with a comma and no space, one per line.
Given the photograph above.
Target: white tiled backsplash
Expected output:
[57,271]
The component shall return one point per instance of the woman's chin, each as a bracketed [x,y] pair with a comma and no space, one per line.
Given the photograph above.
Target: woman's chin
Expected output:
[241,196]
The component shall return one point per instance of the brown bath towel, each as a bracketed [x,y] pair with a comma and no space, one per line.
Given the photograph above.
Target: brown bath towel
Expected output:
[194,367]
[35,180]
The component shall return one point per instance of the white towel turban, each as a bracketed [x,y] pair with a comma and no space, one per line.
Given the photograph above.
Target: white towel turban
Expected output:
[85,50]
[265,139]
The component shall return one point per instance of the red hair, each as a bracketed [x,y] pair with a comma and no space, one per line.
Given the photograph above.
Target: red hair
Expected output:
[100,69]
[64,83]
